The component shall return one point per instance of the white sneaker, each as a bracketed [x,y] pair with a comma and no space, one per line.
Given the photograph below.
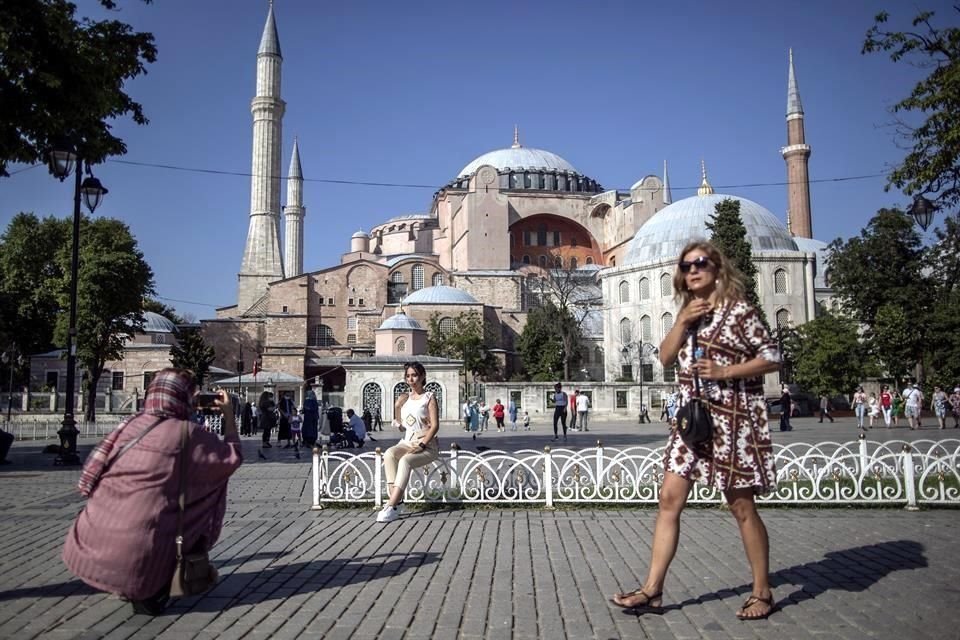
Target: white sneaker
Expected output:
[387,514]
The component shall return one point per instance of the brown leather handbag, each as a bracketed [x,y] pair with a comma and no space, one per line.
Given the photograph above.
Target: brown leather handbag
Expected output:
[194,574]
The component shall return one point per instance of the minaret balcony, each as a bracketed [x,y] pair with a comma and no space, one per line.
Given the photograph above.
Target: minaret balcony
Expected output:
[795,149]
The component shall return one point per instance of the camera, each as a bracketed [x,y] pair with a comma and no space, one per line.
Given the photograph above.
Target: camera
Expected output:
[207,399]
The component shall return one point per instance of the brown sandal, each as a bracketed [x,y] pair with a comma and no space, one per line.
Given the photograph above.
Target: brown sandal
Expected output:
[647,604]
[752,600]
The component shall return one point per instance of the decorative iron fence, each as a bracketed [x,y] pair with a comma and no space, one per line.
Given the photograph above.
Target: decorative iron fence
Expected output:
[858,472]
[47,429]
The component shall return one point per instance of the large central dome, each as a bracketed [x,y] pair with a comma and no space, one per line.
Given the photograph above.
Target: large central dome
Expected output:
[517,156]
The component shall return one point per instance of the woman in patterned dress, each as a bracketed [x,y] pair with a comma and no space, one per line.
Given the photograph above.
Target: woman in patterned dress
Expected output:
[737,352]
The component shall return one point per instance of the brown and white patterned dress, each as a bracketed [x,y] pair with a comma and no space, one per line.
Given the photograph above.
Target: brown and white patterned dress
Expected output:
[741,454]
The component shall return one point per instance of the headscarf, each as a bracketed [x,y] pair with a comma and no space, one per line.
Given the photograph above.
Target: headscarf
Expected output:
[170,394]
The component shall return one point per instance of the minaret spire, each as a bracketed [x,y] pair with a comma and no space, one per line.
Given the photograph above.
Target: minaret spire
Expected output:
[262,260]
[667,196]
[705,188]
[293,215]
[516,138]
[797,156]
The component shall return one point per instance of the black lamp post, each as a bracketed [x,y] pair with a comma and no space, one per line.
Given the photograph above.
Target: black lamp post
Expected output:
[645,349]
[922,211]
[61,162]
[8,357]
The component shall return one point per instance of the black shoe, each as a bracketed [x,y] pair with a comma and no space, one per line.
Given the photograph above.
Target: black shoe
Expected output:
[154,605]
[267,445]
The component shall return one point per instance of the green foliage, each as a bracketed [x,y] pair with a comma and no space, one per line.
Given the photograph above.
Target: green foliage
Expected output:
[730,237]
[470,341]
[154,305]
[29,275]
[932,164]
[191,352]
[113,281]
[826,354]
[541,344]
[60,76]
[890,339]
[941,341]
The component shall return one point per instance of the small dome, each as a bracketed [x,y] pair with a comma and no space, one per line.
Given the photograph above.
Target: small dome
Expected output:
[156,323]
[400,321]
[361,234]
[514,157]
[440,294]
[670,229]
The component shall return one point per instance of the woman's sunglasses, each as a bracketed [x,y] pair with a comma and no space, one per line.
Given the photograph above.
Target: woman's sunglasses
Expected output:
[700,263]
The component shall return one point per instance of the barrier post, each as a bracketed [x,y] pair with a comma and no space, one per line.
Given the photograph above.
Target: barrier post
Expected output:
[454,466]
[908,479]
[862,438]
[316,480]
[377,478]
[548,476]
[598,479]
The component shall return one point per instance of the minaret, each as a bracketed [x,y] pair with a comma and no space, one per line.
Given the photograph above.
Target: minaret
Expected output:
[262,262]
[797,154]
[516,137]
[293,217]
[667,196]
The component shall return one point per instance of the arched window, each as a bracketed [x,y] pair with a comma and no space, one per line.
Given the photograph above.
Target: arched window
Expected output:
[780,281]
[543,261]
[589,260]
[437,391]
[558,262]
[573,263]
[437,279]
[372,395]
[598,356]
[399,389]
[396,277]
[401,345]
[666,288]
[447,326]
[624,292]
[666,323]
[644,288]
[542,235]
[417,283]
[646,331]
[525,259]
[321,336]
[626,331]
[783,319]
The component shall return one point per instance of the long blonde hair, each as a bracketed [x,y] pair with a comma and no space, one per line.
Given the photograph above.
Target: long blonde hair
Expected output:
[730,287]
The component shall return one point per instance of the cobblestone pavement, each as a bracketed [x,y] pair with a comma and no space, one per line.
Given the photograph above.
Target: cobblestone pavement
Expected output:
[486,573]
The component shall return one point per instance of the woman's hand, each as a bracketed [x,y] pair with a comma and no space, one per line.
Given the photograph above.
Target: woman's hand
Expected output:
[695,310]
[710,370]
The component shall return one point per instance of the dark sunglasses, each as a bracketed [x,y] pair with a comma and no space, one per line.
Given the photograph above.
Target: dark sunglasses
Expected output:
[700,263]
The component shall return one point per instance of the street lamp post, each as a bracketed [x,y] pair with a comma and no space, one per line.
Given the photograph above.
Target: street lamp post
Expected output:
[922,211]
[645,350]
[61,162]
[8,357]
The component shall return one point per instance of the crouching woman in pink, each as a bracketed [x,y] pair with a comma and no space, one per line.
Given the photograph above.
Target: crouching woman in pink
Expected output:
[124,540]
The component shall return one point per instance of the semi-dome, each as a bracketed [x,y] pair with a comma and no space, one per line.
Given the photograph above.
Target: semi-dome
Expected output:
[513,157]
[440,294]
[670,229]
[361,234]
[156,323]
[400,321]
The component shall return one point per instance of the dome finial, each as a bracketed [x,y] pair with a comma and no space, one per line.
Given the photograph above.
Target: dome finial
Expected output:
[516,138]
[705,188]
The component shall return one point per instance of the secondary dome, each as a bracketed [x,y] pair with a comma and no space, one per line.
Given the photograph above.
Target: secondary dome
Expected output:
[440,294]
[670,229]
[400,321]
[156,323]
[513,157]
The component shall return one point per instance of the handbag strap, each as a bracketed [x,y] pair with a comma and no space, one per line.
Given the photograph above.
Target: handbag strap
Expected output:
[693,357]
[130,444]
[182,500]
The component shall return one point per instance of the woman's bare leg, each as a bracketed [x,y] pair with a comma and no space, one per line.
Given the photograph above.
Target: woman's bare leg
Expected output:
[666,534]
[756,544]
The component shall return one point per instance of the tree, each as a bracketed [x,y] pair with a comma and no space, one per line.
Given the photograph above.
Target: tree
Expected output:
[61,77]
[826,353]
[890,339]
[941,340]
[541,345]
[154,305]
[193,353]
[29,274]
[730,237]
[113,280]
[932,165]
[469,340]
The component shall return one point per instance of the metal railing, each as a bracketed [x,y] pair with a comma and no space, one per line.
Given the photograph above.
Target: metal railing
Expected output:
[858,472]
[47,429]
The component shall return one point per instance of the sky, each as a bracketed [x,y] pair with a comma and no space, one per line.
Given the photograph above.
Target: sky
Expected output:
[409,93]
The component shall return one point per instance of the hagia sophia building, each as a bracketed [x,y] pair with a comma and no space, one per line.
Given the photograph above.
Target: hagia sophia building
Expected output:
[500,223]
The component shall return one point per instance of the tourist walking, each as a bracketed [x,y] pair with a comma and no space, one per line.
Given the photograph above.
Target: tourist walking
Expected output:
[512,412]
[886,404]
[311,417]
[498,411]
[573,410]
[559,410]
[465,415]
[911,405]
[873,408]
[825,407]
[268,416]
[859,405]
[416,414]
[583,407]
[786,407]
[377,419]
[955,407]
[939,402]
[739,461]
[896,407]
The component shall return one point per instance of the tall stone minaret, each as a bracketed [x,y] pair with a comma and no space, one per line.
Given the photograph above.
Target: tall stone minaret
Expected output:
[262,262]
[667,196]
[293,214]
[797,154]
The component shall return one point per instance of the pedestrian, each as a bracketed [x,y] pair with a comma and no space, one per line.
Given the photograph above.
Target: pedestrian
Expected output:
[873,408]
[498,411]
[672,400]
[377,419]
[484,415]
[526,421]
[246,419]
[955,407]
[786,407]
[475,418]
[310,423]
[255,409]
[911,405]
[644,414]
[356,430]
[573,410]
[512,411]
[664,414]
[367,418]
[825,407]
[710,293]
[896,407]
[124,540]
[886,404]
[465,411]
[859,406]
[268,417]
[559,410]
[286,410]
[583,407]
[416,414]
[296,428]
[940,402]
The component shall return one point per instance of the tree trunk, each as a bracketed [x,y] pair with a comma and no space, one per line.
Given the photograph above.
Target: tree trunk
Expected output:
[90,411]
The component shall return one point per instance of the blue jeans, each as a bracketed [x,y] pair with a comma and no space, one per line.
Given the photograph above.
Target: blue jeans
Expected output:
[860,410]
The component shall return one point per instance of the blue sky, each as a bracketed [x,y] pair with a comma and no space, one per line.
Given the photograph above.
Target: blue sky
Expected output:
[411,92]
